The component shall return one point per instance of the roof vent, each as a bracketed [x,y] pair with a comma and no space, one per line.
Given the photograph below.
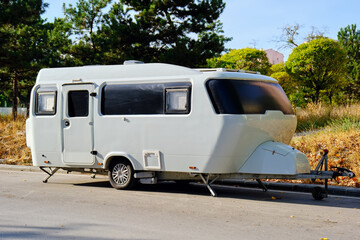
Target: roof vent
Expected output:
[224,70]
[130,62]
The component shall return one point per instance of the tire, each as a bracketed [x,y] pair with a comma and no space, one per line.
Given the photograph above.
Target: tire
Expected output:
[318,193]
[121,174]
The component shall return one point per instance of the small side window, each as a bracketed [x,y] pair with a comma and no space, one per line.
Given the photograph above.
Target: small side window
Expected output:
[45,103]
[177,100]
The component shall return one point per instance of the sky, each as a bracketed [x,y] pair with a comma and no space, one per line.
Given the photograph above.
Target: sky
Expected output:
[259,23]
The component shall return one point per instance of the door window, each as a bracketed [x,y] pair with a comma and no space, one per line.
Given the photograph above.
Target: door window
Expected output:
[78,103]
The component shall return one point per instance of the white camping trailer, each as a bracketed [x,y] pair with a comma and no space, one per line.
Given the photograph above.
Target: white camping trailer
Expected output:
[152,122]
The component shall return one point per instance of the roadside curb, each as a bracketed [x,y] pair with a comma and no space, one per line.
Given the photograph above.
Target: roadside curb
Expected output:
[23,168]
[294,187]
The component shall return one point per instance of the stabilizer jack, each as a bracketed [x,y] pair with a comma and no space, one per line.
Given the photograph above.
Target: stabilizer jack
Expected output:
[50,173]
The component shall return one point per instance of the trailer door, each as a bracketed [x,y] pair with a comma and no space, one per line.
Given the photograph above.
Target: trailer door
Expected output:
[77,124]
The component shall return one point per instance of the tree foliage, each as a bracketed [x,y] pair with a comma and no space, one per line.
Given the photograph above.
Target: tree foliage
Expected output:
[278,72]
[86,19]
[349,38]
[19,21]
[294,91]
[180,32]
[246,58]
[27,43]
[318,65]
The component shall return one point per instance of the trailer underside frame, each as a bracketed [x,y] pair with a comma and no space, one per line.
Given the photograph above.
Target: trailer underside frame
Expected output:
[321,172]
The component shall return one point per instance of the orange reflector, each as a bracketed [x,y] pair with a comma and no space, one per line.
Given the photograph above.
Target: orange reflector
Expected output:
[46,162]
[193,168]
[100,163]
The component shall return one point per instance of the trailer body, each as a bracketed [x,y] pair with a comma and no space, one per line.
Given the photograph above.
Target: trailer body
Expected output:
[165,121]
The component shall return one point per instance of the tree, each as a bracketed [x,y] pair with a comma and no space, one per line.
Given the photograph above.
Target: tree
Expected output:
[86,18]
[246,58]
[290,34]
[293,91]
[180,32]
[5,89]
[28,44]
[318,65]
[349,38]
[122,37]
[17,12]
[278,72]
[55,44]
[315,34]
[19,19]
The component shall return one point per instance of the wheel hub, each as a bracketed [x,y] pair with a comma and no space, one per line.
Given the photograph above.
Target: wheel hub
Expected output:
[120,173]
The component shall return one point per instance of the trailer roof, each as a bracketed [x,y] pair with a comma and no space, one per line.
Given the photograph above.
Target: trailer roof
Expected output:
[96,72]
[128,71]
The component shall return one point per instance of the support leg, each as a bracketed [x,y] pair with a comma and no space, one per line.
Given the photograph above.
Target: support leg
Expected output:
[326,187]
[206,182]
[326,168]
[50,173]
[265,189]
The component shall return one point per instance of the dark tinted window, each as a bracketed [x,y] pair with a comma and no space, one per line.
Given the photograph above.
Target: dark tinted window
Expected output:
[247,97]
[135,98]
[78,103]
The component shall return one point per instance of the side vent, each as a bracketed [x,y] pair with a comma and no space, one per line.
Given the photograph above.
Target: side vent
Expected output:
[152,159]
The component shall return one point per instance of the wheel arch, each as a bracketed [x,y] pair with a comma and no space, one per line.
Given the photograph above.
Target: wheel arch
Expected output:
[111,157]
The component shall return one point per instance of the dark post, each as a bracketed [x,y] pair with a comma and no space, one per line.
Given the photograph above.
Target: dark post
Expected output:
[15,95]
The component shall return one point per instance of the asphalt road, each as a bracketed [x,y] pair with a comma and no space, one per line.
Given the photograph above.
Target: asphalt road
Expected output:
[78,207]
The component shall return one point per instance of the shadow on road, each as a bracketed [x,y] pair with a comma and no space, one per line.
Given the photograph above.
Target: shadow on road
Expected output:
[36,232]
[255,194]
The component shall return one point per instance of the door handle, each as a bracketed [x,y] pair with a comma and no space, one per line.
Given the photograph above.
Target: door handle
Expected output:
[67,123]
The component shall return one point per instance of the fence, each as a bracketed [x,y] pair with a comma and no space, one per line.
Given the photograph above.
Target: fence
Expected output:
[8,111]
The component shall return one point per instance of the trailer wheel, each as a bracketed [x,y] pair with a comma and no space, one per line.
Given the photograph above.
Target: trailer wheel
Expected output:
[121,174]
[318,193]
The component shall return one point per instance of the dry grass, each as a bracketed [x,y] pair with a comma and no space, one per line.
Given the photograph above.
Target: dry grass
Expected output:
[316,116]
[13,148]
[340,134]
[343,146]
